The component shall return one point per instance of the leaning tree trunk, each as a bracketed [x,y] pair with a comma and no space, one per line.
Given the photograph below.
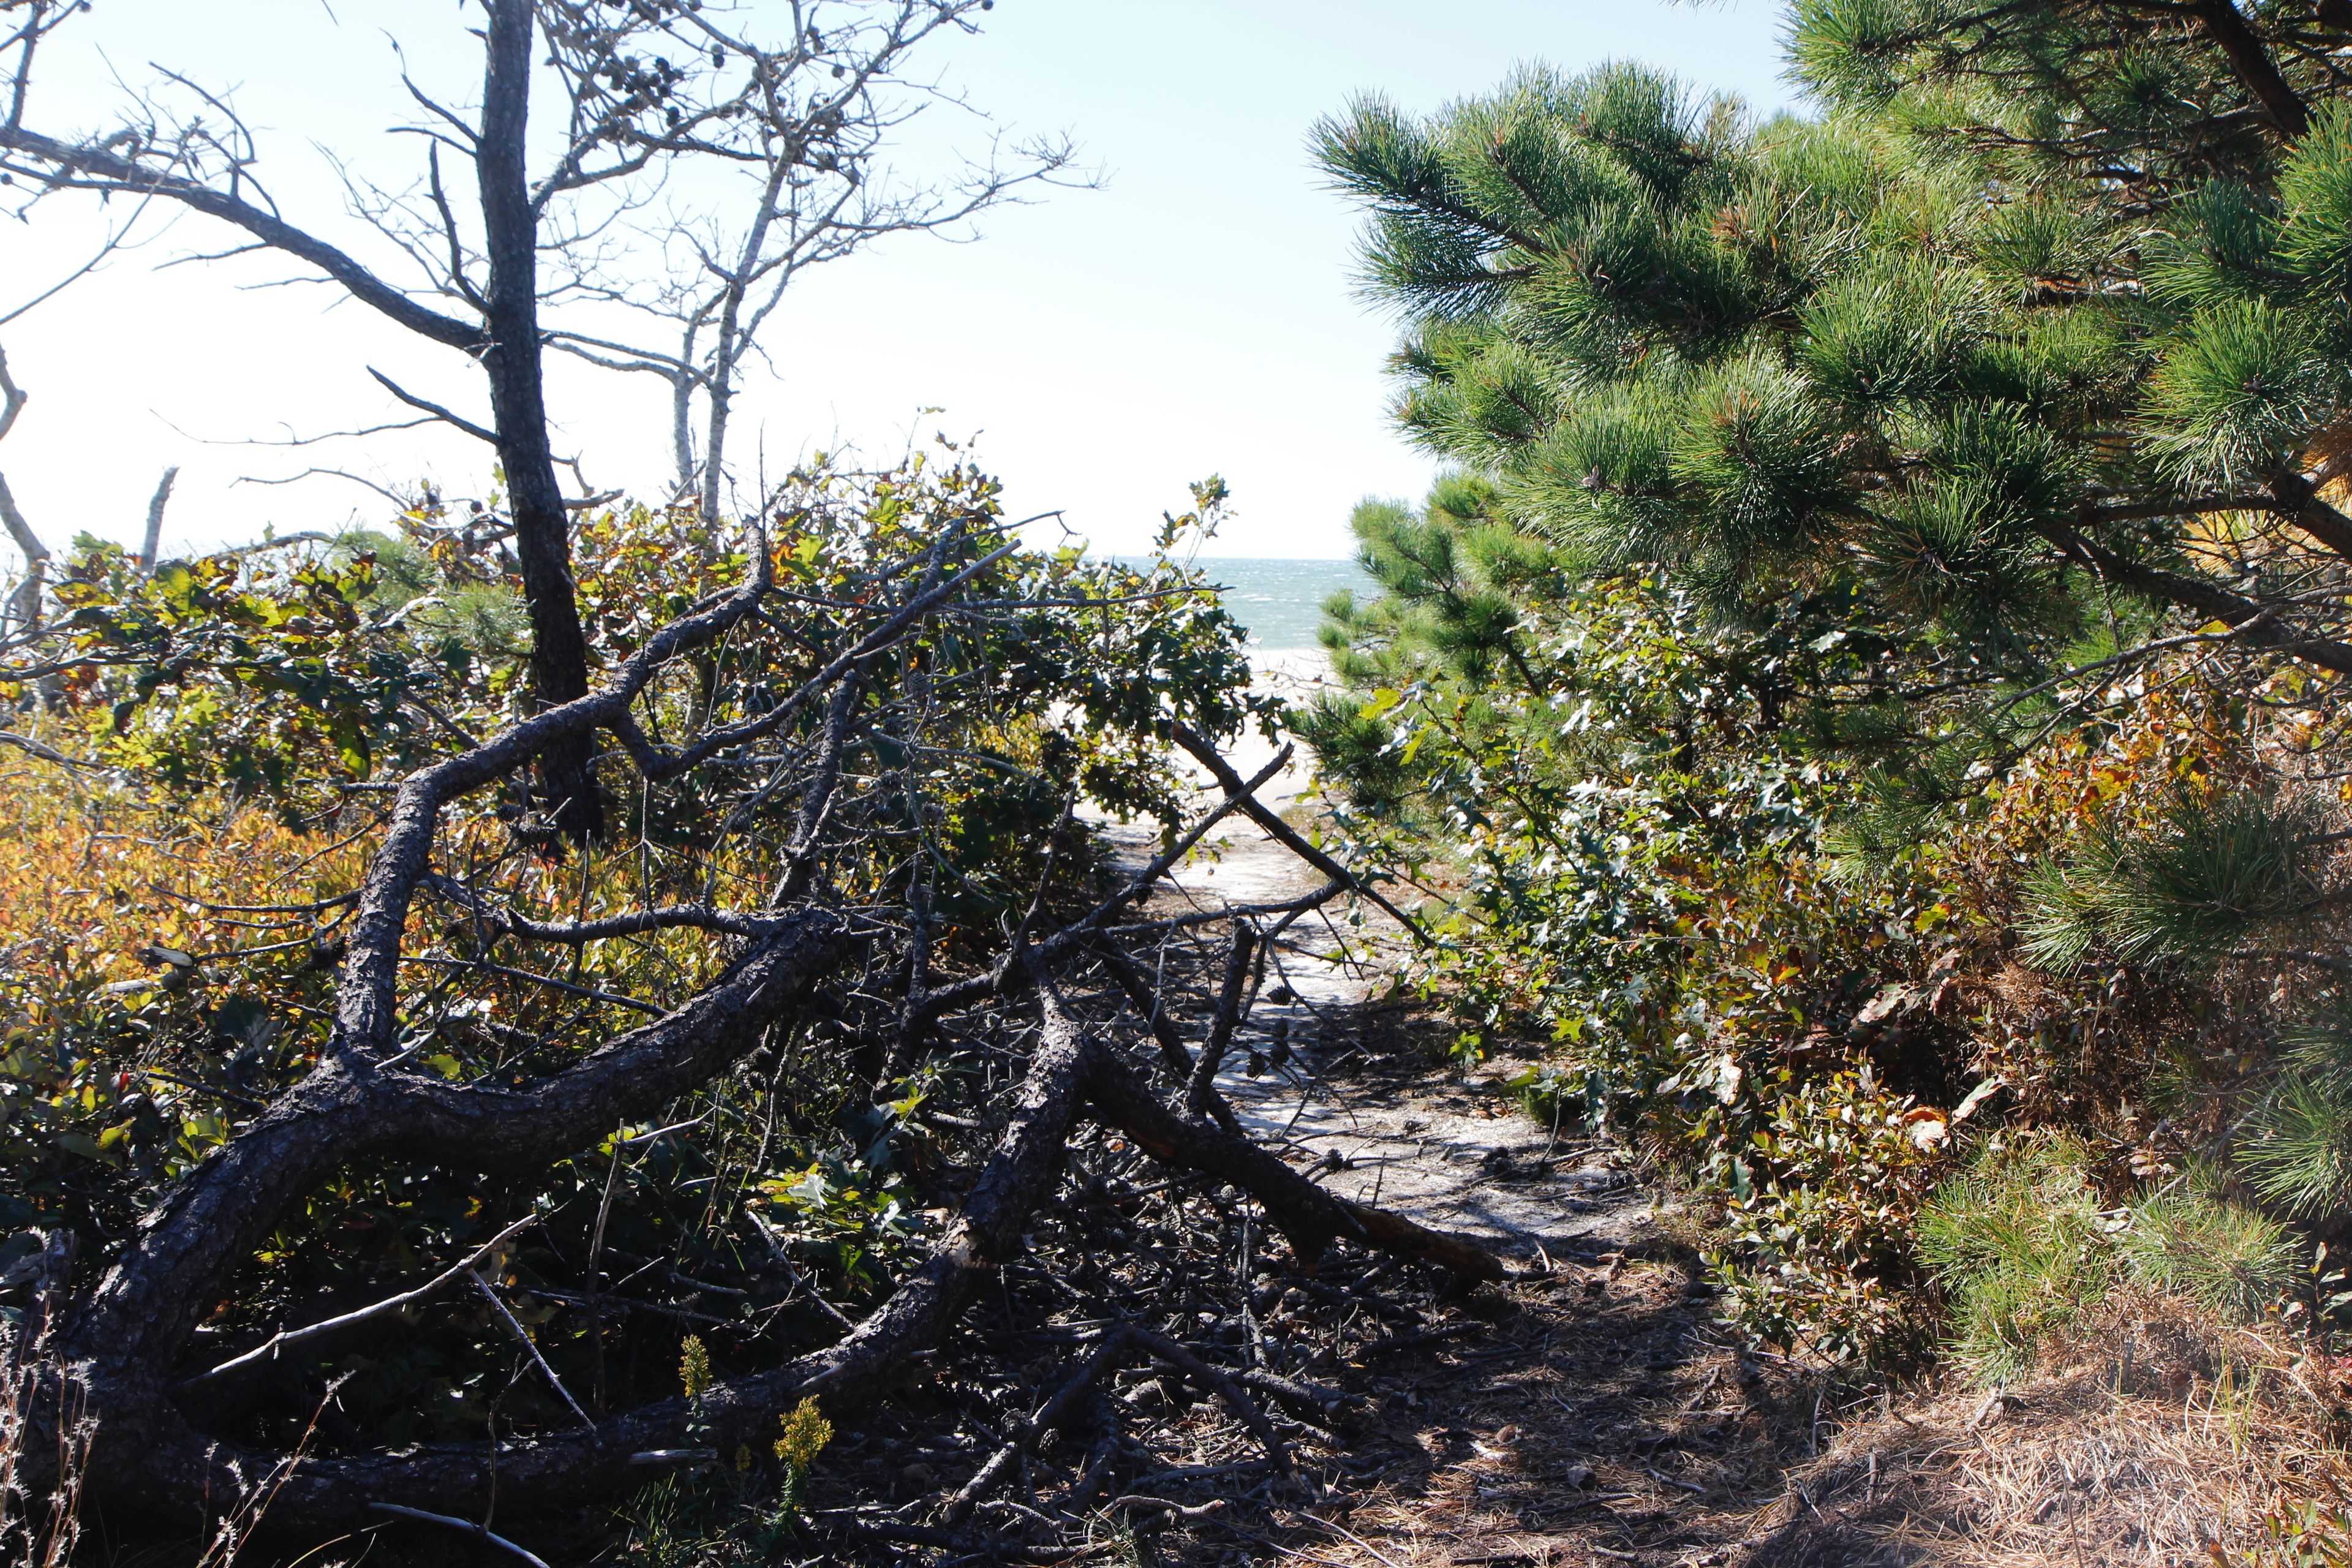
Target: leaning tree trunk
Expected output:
[150,1454]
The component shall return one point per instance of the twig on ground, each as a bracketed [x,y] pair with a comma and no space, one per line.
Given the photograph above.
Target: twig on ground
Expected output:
[530,1346]
[478,1531]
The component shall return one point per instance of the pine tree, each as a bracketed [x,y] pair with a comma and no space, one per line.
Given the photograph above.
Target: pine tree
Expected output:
[1977,363]
[2028,361]
[1820,489]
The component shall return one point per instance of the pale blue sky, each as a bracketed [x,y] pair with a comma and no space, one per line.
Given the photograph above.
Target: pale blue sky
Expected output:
[1195,314]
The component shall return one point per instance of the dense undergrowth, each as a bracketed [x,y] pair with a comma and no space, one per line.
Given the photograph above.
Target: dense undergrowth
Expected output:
[193,801]
[1864,713]
[1866,701]
[1647,890]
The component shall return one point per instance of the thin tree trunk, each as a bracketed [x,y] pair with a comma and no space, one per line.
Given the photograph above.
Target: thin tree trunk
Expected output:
[26,601]
[723,398]
[681,425]
[153,542]
[729,347]
[559,650]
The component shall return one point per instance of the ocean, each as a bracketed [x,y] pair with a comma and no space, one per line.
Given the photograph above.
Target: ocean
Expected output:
[1281,602]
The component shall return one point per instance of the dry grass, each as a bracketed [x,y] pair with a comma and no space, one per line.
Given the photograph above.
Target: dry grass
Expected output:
[1634,1434]
[2167,1436]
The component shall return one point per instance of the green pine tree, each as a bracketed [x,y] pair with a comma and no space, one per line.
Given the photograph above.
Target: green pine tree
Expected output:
[1811,482]
[2028,360]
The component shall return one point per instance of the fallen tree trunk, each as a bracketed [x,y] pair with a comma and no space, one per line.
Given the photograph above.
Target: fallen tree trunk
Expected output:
[1310,1216]
[1071,1074]
[111,1366]
[183,1469]
[143,1308]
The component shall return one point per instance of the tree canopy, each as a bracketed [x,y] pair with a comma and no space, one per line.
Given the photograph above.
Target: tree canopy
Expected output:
[1983,365]
[1876,659]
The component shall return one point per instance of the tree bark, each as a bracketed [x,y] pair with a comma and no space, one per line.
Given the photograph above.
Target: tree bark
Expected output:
[174,1469]
[24,607]
[1311,1218]
[152,542]
[512,357]
[25,603]
[2230,31]
[152,1457]
[186,1251]
[2259,623]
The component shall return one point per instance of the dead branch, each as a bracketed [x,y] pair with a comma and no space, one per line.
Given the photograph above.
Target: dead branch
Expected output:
[1311,1218]
[277,1344]
[800,960]
[1116,1346]
[151,540]
[480,1532]
[1202,1090]
[1281,832]
[530,1348]
[1222,1383]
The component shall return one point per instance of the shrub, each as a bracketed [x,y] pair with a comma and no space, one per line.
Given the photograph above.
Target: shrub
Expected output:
[2217,1254]
[2296,1148]
[2019,1247]
[2023,1251]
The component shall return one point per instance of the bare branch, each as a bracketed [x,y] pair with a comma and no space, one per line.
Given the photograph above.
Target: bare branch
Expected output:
[279,1344]
[24,604]
[392,495]
[95,167]
[113,242]
[480,1532]
[530,1347]
[1282,831]
[435,410]
[687,917]
[1203,1086]
[46,753]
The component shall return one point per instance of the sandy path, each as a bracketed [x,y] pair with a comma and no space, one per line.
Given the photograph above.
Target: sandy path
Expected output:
[1577,1423]
[1316,1069]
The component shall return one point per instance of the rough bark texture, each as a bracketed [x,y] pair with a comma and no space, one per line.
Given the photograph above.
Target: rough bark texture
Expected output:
[178,1469]
[124,1341]
[144,1308]
[150,1455]
[513,360]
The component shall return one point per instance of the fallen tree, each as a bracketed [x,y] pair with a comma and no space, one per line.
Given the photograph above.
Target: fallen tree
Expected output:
[106,1368]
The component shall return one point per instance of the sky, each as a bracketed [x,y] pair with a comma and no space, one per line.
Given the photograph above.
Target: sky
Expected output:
[1194,312]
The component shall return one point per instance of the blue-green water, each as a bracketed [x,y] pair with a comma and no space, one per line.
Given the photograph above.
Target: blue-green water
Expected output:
[1281,602]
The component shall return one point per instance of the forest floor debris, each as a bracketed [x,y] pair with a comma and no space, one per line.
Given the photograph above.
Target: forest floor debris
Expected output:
[1589,1412]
